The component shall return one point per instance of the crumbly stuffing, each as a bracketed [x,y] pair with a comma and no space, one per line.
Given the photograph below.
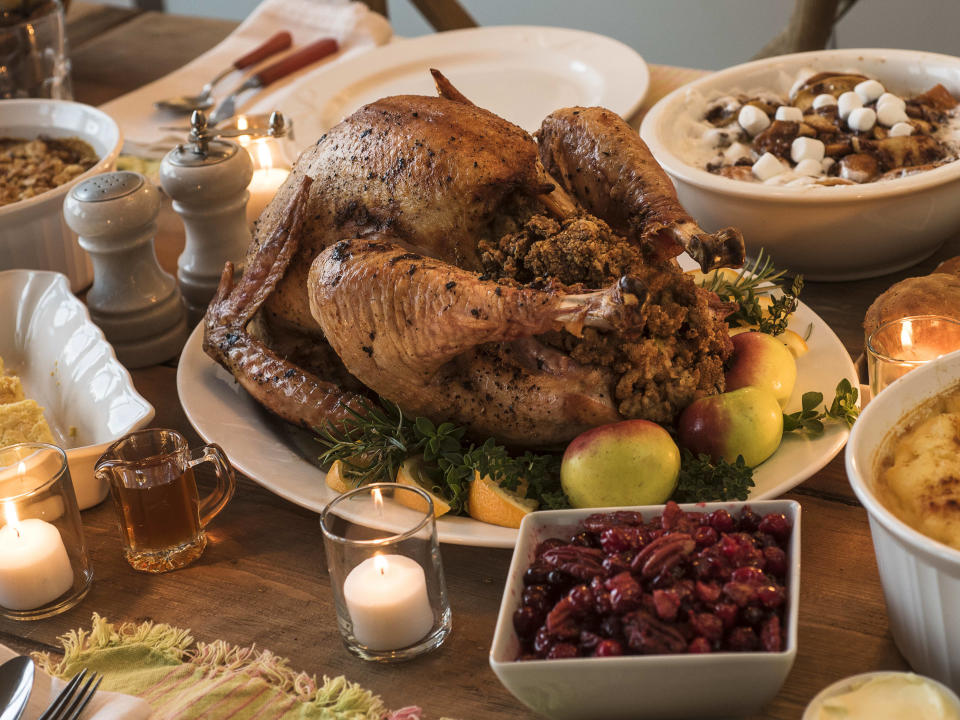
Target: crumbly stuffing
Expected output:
[31,167]
[676,353]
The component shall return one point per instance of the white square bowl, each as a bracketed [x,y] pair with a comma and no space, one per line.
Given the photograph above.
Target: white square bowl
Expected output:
[642,687]
[66,365]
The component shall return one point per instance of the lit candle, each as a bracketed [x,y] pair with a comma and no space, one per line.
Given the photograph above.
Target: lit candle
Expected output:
[267,178]
[386,596]
[34,567]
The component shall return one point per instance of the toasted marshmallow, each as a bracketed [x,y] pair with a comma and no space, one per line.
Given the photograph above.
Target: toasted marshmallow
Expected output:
[735,152]
[826,164]
[788,113]
[808,166]
[901,129]
[891,98]
[862,119]
[753,119]
[869,90]
[768,166]
[847,103]
[824,100]
[804,148]
[890,114]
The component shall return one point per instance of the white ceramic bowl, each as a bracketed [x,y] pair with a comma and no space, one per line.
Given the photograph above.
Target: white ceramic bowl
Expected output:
[66,365]
[920,576]
[812,711]
[826,233]
[641,687]
[33,233]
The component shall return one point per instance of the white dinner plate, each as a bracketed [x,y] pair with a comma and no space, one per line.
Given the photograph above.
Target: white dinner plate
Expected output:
[520,73]
[264,449]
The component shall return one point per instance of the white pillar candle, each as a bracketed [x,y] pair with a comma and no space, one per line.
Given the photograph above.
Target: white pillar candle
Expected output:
[34,567]
[386,596]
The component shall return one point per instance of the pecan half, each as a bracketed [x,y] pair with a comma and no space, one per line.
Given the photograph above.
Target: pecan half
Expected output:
[663,554]
[648,636]
[581,562]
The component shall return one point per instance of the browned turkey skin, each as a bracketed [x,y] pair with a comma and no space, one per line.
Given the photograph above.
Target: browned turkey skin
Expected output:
[378,278]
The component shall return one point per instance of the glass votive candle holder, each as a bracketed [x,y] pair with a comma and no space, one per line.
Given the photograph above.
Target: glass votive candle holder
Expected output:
[385,571]
[899,346]
[44,569]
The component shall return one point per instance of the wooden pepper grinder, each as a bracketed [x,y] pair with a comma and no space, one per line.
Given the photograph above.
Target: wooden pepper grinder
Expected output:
[135,303]
[207,179]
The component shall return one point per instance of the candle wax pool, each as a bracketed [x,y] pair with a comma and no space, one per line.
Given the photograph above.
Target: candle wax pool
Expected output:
[386,597]
[34,567]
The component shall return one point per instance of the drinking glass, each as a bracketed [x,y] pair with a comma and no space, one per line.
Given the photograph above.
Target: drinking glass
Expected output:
[899,346]
[44,569]
[161,516]
[385,571]
[33,55]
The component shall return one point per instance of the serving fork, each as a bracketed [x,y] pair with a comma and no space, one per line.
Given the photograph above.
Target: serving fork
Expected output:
[72,700]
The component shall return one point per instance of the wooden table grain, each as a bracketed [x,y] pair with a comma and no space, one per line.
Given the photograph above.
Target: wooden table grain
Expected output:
[263,577]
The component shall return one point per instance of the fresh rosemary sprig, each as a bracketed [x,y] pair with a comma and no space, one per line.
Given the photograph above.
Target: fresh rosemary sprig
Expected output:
[753,282]
[379,438]
[810,420]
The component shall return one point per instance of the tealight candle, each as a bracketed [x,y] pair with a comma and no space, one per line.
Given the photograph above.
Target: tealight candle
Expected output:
[269,174]
[386,596]
[899,346]
[34,566]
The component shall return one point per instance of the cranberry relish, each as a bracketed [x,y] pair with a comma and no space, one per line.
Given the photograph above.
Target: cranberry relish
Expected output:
[681,582]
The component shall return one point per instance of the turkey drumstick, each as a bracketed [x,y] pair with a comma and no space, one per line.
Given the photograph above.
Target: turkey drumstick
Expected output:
[605,165]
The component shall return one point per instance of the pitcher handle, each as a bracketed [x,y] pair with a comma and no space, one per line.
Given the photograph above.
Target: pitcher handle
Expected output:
[213,503]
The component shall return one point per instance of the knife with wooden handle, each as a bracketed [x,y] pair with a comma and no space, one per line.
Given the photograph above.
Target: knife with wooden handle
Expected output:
[291,63]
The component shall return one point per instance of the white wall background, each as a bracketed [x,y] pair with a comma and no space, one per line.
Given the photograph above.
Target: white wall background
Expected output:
[694,33]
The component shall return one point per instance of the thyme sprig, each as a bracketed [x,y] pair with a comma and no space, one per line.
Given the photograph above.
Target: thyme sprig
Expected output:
[379,437]
[810,420]
[754,281]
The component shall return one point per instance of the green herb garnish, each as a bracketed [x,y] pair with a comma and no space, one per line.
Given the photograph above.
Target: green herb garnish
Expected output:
[753,282]
[810,420]
[378,439]
[701,480]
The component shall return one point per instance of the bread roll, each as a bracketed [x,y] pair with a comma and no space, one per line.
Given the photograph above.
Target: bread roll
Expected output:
[934,294]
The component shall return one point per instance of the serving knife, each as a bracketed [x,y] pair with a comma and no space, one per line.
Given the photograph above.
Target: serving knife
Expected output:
[316,50]
[16,682]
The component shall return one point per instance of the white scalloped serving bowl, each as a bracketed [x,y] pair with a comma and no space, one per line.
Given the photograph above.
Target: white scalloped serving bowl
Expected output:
[827,233]
[920,576]
[33,233]
[68,367]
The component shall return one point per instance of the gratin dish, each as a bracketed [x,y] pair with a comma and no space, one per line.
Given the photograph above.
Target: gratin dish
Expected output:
[33,233]
[826,233]
[66,365]
[812,711]
[639,687]
[920,576]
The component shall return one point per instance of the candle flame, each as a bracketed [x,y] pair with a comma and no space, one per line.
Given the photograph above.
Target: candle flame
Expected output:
[10,514]
[380,563]
[242,124]
[378,501]
[906,334]
[264,158]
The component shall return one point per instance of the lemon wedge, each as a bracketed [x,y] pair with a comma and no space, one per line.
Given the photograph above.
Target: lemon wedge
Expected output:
[335,479]
[490,503]
[410,474]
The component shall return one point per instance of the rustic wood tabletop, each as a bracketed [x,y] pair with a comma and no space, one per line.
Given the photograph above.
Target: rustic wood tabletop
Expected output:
[263,578]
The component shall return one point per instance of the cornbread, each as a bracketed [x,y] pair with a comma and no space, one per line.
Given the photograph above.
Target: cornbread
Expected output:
[21,419]
[919,478]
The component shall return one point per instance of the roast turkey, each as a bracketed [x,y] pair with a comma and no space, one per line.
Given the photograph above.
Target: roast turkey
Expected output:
[427,251]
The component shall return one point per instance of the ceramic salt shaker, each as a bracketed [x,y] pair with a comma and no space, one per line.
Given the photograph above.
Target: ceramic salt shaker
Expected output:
[207,179]
[135,303]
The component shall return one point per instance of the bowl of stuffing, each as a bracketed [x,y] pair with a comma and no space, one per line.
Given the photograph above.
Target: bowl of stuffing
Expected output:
[658,612]
[902,463]
[47,147]
[842,163]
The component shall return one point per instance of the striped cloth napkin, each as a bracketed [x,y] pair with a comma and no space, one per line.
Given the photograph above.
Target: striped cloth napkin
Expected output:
[182,679]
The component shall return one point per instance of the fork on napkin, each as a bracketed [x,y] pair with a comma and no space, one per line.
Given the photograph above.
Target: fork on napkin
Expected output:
[355,27]
[103,706]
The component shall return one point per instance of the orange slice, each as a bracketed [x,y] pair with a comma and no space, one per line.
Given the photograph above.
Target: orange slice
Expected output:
[488,502]
[335,479]
[410,474]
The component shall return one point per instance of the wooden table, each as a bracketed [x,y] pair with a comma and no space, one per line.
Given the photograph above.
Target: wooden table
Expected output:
[263,578]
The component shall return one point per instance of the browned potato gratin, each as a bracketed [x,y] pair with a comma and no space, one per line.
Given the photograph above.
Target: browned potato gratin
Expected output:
[31,167]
